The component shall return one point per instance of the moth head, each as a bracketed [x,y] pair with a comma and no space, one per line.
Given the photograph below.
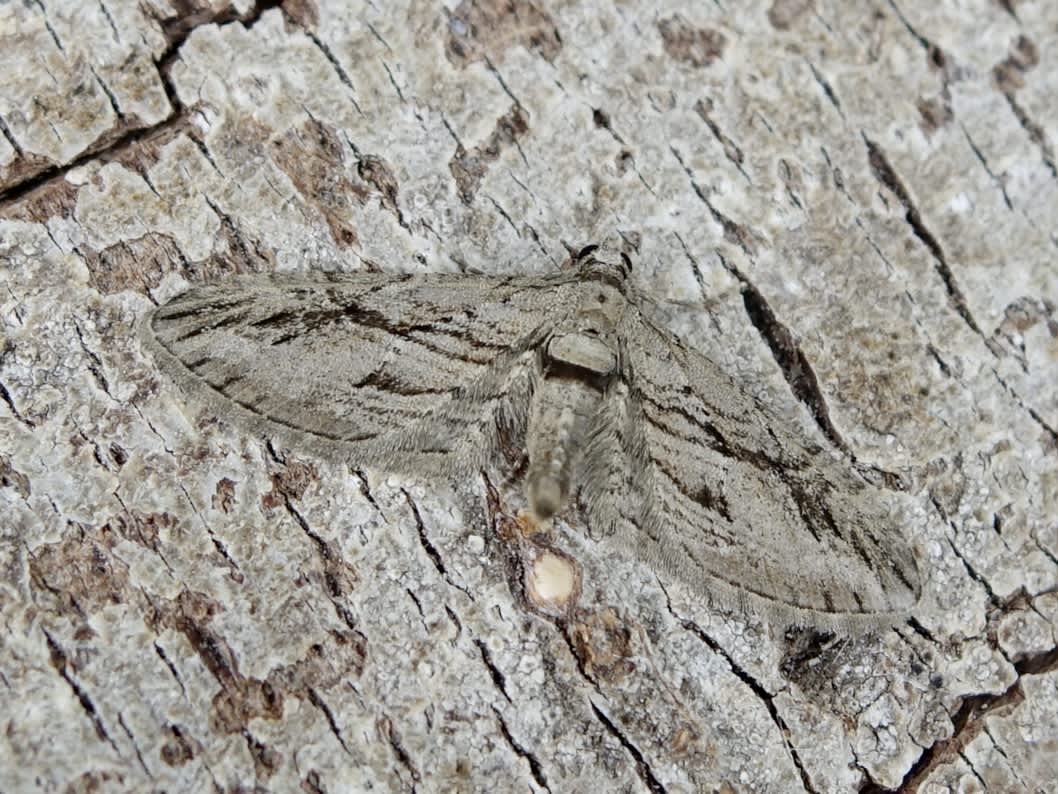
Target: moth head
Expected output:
[603,265]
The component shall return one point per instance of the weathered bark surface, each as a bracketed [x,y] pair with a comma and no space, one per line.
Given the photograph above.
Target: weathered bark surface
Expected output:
[851,205]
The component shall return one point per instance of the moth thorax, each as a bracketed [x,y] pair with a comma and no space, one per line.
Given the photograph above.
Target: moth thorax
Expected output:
[582,351]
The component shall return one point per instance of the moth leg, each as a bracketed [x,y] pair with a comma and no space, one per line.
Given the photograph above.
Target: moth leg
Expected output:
[465,433]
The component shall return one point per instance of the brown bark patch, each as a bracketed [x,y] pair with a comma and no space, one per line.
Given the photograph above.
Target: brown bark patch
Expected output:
[603,644]
[141,528]
[223,495]
[1010,73]
[335,576]
[325,665]
[378,173]
[1019,317]
[934,114]
[179,747]
[486,29]
[80,572]
[141,263]
[265,759]
[242,700]
[138,264]
[10,478]
[118,454]
[469,168]
[290,482]
[303,13]
[235,253]
[56,198]
[697,46]
[784,14]
[186,15]
[312,157]
[93,782]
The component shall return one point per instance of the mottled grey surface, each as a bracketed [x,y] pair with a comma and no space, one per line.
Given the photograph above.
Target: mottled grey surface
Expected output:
[848,207]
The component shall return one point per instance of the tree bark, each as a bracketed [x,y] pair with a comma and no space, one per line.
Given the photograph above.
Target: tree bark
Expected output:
[851,206]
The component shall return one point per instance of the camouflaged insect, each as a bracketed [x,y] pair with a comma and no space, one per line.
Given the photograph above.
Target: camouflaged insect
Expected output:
[561,375]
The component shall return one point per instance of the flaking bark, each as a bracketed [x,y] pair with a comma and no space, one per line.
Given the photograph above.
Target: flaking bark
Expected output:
[850,208]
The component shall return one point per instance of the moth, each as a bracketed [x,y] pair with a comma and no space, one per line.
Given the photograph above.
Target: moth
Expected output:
[564,379]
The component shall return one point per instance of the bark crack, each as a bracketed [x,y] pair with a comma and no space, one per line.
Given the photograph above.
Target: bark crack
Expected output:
[175,30]
[378,36]
[429,548]
[111,97]
[424,541]
[886,175]
[969,720]
[535,768]
[734,232]
[50,29]
[5,395]
[343,76]
[827,90]
[233,568]
[1032,412]
[110,20]
[1036,133]
[365,490]
[498,679]
[504,214]
[999,749]
[393,82]
[971,571]
[510,94]
[393,739]
[646,774]
[10,138]
[577,660]
[792,361]
[984,164]
[321,704]
[135,747]
[731,150]
[332,585]
[158,649]
[926,44]
[755,686]
[973,770]
[151,427]
[60,661]
[95,363]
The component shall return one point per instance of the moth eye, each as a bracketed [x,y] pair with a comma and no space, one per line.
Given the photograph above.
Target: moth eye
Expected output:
[601,298]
